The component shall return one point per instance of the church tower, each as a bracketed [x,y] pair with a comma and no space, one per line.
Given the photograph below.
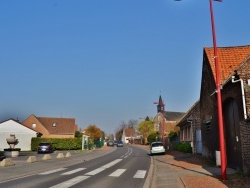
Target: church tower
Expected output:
[160,106]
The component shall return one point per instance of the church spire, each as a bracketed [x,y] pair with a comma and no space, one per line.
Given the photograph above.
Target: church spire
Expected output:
[160,106]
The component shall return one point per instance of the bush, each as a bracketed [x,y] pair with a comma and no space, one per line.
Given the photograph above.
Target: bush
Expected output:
[153,137]
[58,143]
[184,147]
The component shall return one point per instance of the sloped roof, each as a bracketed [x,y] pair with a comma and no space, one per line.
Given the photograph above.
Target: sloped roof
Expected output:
[229,59]
[173,116]
[62,125]
[187,114]
[129,132]
[12,125]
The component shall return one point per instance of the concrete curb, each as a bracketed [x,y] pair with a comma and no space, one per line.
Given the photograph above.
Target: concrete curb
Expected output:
[148,182]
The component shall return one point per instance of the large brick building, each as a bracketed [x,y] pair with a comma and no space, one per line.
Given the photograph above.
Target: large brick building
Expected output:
[234,67]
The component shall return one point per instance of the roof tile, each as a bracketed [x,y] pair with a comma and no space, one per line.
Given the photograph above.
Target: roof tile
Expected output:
[229,59]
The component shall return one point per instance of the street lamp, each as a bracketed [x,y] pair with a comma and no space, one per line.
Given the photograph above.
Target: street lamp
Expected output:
[219,101]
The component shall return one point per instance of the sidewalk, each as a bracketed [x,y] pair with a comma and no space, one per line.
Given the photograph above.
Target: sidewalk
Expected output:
[180,170]
[177,169]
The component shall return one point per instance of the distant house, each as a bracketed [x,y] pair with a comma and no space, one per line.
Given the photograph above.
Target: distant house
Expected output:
[190,128]
[169,123]
[129,136]
[22,133]
[52,127]
[234,67]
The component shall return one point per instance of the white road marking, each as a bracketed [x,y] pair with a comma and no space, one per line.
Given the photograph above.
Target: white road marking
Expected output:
[71,182]
[112,163]
[52,171]
[94,172]
[117,173]
[129,152]
[104,167]
[140,174]
[73,171]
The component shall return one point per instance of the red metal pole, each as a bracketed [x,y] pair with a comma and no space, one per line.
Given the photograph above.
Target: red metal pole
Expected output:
[163,124]
[219,102]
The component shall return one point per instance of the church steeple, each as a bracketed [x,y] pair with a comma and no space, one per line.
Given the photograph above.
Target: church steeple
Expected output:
[160,106]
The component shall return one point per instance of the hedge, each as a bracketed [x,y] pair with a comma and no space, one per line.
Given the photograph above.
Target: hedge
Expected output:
[58,143]
[184,147]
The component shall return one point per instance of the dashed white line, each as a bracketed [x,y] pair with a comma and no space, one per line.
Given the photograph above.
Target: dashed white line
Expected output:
[117,173]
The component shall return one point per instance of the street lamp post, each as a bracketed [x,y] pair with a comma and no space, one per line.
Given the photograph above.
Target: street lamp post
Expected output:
[219,101]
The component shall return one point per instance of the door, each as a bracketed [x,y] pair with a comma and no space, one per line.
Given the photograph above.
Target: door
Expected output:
[232,134]
[198,142]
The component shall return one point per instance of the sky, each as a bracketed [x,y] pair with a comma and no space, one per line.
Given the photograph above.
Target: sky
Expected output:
[104,62]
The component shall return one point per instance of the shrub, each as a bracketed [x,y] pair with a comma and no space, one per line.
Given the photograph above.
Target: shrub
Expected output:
[184,147]
[58,143]
[153,137]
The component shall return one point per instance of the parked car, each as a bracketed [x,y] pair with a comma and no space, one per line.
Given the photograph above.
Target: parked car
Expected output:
[119,143]
[115,142]
[110,143]
[45,147]
[157,148]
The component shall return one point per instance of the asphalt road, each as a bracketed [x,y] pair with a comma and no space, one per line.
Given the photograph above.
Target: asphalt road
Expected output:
[121,167]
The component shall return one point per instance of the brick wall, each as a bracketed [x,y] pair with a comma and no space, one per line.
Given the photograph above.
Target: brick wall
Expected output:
[208,112]
[244,73]
[245,146]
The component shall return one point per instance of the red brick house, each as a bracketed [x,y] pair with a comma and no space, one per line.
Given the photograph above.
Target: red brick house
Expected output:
[52,127]
[190,128]
[234,66]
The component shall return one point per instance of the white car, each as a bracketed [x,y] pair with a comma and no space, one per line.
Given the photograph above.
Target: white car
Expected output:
[157,148]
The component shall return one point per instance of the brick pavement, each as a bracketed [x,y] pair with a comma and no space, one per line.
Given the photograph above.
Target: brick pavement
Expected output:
[180,170]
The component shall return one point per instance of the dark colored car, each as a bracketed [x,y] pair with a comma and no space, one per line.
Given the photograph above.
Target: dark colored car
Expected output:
[119,143]
[110,143]
[115,143]
[45,147]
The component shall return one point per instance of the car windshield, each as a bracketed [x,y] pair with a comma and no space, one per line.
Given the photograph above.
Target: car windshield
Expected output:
[157,144]
[44,144]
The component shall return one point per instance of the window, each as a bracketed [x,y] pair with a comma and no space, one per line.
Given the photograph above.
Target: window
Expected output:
[33,125]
